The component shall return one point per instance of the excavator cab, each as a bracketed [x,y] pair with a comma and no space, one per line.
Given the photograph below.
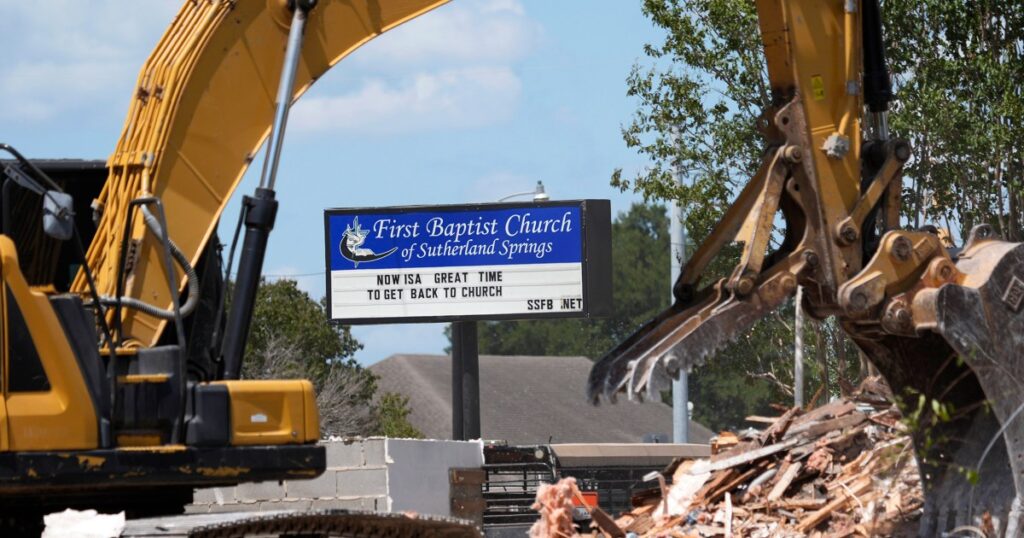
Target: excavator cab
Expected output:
[116,427]
[944,326]
[121,361]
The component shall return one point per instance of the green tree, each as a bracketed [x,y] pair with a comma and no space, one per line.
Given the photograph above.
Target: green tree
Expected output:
[640,283]
[698,103]
[392,417]
[291,337]
[699,95]
[285,313]
[744,379]
[957,68]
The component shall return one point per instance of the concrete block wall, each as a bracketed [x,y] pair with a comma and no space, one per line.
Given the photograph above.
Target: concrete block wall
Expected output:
[369,474]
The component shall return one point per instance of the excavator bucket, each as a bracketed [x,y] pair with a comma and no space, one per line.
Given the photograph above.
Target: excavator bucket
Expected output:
[957,350]
[943,326]
[964,354]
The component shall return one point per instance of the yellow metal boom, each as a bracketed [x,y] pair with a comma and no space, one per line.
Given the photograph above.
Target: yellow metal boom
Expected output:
[203,105]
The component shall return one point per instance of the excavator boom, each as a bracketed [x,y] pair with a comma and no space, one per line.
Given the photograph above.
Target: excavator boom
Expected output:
[940,325]
[202,107]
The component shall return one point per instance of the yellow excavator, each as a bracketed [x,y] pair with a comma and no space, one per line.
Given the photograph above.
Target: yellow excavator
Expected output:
[120,360]
[941,323]
[120,385]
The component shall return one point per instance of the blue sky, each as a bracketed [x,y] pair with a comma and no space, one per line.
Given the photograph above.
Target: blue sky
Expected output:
[470,103]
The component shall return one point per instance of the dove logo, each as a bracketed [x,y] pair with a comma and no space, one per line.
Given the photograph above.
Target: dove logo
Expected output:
[352,242]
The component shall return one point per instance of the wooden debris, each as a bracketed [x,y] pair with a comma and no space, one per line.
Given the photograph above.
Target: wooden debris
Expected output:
[605,523]
[784,481]
[728,516]
[843,469]
[750,456]
[775,432]
[723,441]
[863,486]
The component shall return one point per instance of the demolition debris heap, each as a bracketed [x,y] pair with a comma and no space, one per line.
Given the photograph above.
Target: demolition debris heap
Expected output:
[844,469]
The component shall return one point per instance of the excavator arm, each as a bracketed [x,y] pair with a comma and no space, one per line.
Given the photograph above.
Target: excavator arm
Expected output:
[203,105]
[940,324]
[813,57]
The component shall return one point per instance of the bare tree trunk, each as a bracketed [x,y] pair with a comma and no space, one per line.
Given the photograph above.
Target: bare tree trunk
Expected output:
[841,363]
[822,358]
[798,351]
[867,369]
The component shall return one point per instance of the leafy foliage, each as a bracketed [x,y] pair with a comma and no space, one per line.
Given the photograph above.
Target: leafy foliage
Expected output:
[699,97]
[282,310]
[957,69]
[392,417]
[725,390]
[640,287]
[698,106]
[291,338]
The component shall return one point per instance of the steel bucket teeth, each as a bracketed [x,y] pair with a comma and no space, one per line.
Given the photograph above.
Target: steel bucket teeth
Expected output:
[679,339]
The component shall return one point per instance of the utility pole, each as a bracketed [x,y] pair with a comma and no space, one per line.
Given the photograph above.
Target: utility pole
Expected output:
[677,253]
[681,386]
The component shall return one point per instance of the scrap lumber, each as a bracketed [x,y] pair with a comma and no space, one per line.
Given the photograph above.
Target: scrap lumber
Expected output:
[863,486]
[723,442]
[732,484]
[843,469]
[778,429]
[606,524]
[747,457]
[784,481]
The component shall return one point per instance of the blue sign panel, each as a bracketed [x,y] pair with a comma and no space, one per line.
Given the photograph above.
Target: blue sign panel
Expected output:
[494,261]
[510,236]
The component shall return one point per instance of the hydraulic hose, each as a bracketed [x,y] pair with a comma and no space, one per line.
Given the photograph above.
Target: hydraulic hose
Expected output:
[190,276]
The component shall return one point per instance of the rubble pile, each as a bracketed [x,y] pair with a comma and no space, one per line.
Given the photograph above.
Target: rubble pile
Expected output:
[555,504]
[843,469]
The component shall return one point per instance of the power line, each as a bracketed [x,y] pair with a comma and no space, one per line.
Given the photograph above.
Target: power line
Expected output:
[287,275]
[291,275]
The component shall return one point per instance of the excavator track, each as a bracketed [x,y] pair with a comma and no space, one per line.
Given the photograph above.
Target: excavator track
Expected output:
[323,523]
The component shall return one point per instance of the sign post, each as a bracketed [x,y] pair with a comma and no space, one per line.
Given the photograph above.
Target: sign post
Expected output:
[465,381]
[463,263]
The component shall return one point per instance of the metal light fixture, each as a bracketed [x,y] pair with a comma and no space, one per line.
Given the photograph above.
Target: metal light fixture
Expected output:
[539,194]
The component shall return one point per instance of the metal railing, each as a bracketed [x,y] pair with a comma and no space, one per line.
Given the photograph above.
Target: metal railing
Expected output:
[514,473]
[513,476]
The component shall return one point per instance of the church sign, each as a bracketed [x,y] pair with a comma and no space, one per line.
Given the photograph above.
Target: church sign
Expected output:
[469,262]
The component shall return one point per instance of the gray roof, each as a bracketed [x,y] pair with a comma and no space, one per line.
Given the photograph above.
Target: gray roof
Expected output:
[524,400]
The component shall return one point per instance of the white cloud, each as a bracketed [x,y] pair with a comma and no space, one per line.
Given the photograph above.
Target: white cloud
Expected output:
[499,6]
[450,69]
[452,98]
[460,33]
[72,55]
[39,91]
